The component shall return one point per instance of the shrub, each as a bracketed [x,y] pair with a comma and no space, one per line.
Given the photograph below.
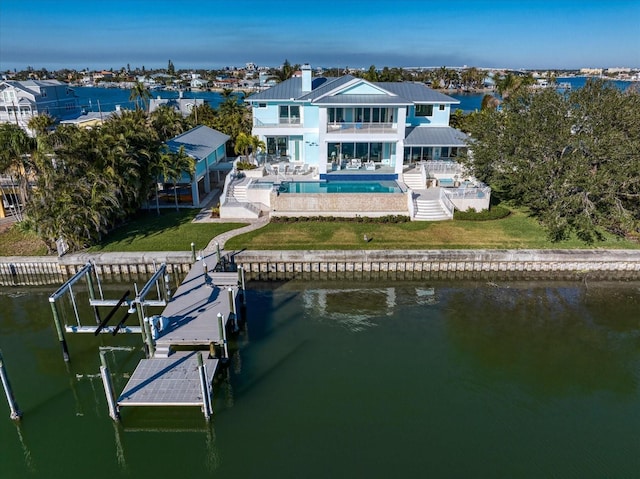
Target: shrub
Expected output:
[494,213]
[245,165]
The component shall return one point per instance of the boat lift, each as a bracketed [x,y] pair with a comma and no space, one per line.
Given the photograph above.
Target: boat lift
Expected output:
[159,283]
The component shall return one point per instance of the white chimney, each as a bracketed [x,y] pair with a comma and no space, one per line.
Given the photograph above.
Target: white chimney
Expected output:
[306,77]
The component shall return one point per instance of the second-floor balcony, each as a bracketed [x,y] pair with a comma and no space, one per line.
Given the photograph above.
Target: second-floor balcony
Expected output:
[362,128]
[281,123]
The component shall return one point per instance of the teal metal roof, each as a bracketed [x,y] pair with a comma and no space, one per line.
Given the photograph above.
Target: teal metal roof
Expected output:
[435,136]
[199,142]
[401,93]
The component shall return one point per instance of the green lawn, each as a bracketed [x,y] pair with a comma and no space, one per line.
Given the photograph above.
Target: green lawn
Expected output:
[171,231]
[513,232]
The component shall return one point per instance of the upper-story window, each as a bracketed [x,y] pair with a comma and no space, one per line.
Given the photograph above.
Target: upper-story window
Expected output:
[290,114]
[43,93]
[9,95]
[424,110]
[442,107]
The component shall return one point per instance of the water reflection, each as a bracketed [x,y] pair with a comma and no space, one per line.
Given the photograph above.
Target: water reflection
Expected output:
[559,340]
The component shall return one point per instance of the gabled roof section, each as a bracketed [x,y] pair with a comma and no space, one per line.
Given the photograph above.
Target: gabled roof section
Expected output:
[417,92]
[346,100]
[327,87]
[435,136]
[291,89]
[350,90]
[199,142]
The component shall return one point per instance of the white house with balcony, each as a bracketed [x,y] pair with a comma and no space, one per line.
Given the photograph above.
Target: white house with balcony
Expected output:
[22,100]
[351,129]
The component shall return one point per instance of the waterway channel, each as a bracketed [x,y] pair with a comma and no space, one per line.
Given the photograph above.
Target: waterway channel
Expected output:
[351,379]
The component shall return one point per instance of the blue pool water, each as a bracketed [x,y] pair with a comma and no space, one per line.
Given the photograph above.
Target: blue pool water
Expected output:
[339,187]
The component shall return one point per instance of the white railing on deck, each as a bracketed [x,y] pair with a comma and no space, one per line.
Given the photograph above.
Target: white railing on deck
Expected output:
[469,192]
[443,167]
[446,202]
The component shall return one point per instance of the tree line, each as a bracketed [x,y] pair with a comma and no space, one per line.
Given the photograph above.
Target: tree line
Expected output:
[78,183]
[572,159]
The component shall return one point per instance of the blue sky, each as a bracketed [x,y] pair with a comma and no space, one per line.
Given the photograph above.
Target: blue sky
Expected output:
[100,34]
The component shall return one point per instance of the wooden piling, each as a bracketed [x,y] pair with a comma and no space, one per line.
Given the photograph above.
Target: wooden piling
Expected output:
[15,411]
[59,330]
[108,388]
[232,310]
[193,252]
[206,397]
[223,336]
[151,347]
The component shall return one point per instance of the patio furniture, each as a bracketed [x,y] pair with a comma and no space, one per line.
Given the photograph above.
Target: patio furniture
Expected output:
[354,164]
[370,166]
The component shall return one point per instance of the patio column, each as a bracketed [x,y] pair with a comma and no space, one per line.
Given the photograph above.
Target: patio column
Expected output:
[194,193]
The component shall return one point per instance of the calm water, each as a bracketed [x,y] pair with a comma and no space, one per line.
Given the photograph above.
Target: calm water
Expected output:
[350,379]
[106,99]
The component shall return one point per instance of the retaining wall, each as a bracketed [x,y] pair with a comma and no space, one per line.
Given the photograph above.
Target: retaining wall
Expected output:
[338,204]
[441,264]
[45,270]
[361,264]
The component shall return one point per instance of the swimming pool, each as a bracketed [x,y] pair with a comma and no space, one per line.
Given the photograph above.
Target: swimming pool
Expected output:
[339,187]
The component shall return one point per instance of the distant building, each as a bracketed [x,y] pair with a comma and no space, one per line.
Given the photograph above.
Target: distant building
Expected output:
[183,105]
[22,100]
[591,71]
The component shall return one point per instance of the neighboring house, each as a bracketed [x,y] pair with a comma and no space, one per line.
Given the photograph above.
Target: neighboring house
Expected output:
[22,100]
[207,147]
[182,105]
[90,118]
[327,122]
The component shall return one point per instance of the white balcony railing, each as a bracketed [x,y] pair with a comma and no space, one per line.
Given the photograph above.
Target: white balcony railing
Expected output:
[362,128]
[282,122]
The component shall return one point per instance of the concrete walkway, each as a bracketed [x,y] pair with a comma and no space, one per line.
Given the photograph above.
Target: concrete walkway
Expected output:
[204,216]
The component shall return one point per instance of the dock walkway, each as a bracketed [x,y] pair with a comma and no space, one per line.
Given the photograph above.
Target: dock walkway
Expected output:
[191,324]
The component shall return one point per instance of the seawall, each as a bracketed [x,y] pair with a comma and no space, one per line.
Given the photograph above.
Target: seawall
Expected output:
[358,264]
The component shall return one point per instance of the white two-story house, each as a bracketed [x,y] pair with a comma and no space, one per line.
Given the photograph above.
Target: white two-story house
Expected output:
[331,123]
[22,100]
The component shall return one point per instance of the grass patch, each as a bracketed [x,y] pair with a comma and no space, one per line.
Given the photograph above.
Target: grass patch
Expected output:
[516,231]
[174,231]
[170,231]
[15,242]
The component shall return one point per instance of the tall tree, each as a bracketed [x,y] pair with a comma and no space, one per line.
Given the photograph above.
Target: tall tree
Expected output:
[16,148]
[572,160]
[140,94]
[174,165]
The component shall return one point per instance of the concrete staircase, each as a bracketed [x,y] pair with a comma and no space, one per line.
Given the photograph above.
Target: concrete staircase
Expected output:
[429,210]
[413,180]
[239,192]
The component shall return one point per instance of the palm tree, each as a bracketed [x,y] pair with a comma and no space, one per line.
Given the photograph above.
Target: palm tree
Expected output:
[140,94]
[173,165]
[167,122]
[512,85]
[245,142]
[16,148]
[283,73]
[242,144]
[256,145]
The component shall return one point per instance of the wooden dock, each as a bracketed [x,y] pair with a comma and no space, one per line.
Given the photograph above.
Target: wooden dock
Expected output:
[204,301]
